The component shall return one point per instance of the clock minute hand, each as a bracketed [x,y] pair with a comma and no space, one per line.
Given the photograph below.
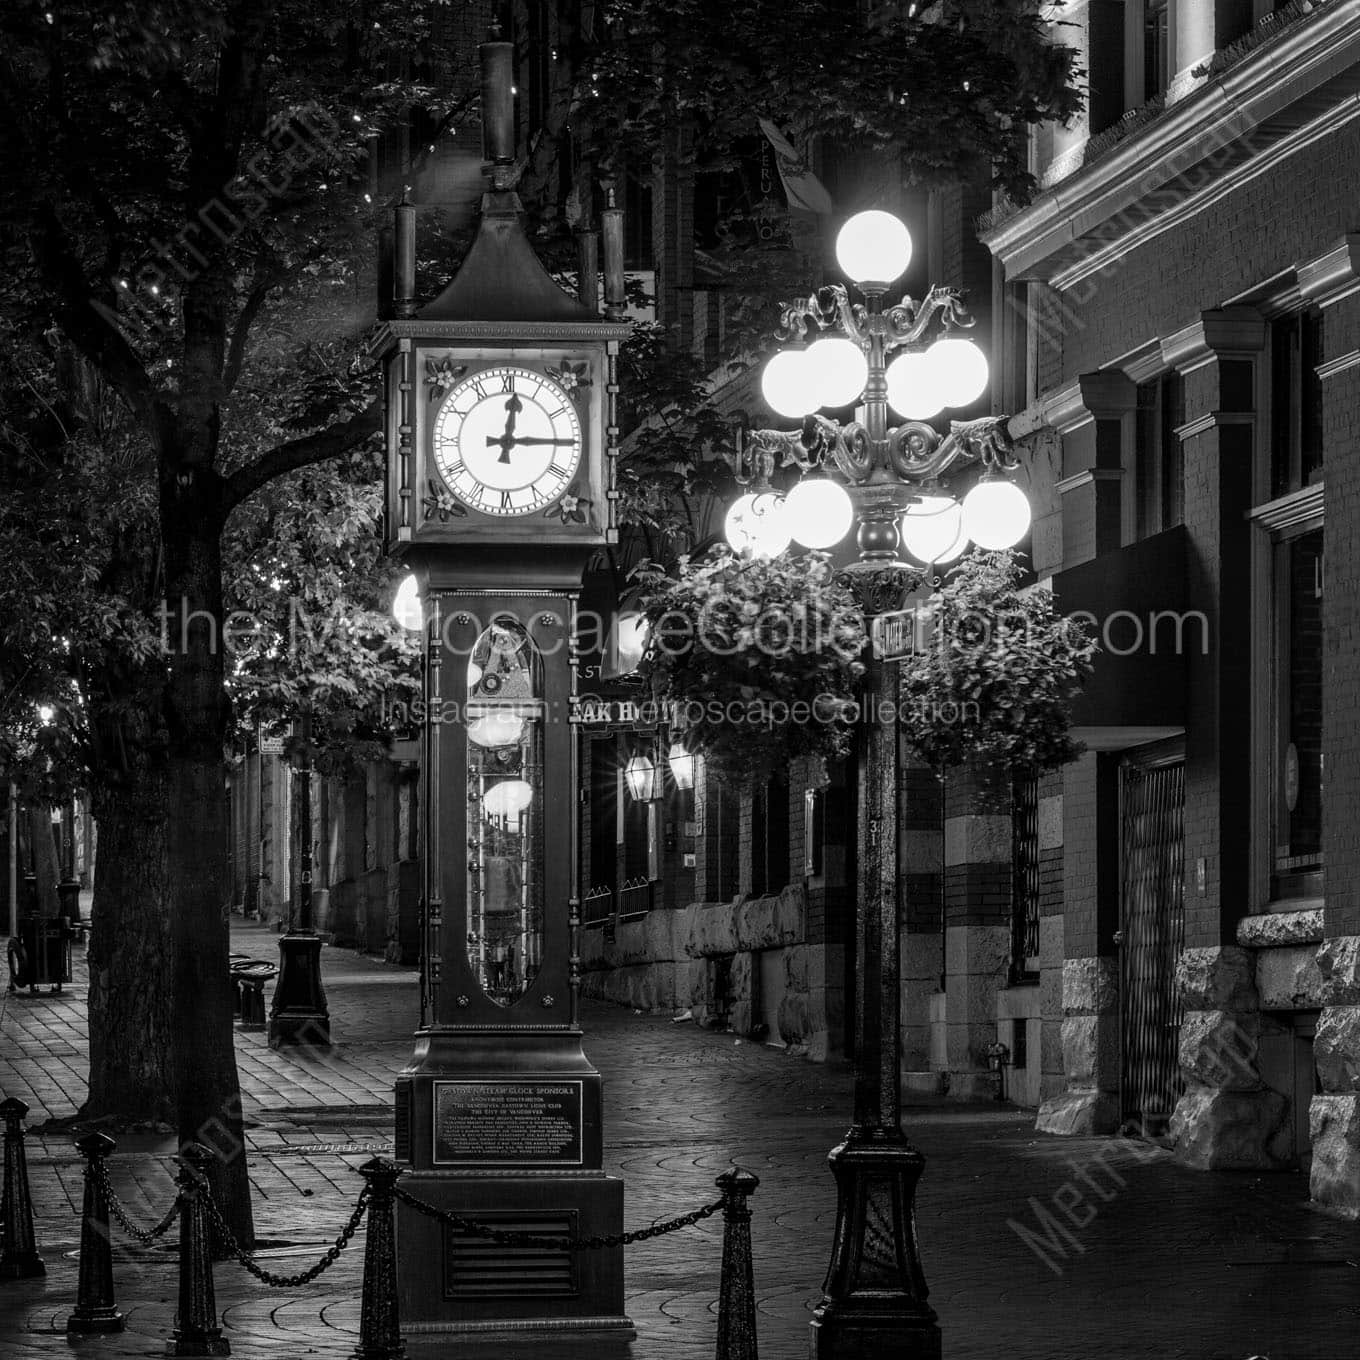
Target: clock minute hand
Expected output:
[527,439]
[512,409]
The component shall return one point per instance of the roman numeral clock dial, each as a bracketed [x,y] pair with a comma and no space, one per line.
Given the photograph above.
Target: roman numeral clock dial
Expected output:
[507,441]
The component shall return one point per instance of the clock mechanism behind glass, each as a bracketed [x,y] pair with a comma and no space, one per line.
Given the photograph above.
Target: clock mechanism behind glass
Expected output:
[505,811]
[507,441]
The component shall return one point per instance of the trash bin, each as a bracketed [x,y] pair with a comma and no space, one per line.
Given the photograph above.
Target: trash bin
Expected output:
[47,943]
[68,900]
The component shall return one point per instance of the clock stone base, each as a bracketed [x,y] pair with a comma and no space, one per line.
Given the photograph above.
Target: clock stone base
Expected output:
[452,1282]
[503,1125]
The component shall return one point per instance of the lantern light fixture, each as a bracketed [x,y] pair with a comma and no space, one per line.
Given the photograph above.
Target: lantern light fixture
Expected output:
[912,391]
[682,766]
[509,798]
[640,774]
[406,606]
[495,730]
[818,512]
[757,524]
[957,371]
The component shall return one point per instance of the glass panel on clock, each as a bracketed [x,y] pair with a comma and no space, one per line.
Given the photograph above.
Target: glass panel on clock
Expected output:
[504,720]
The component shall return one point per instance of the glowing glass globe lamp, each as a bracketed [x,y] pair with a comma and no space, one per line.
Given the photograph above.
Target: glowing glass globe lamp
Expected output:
[756,523]
[837,370]
[996,514]
[873,248]
[786,384]
[957,371]
[818,512]
[932,530]
[912,390]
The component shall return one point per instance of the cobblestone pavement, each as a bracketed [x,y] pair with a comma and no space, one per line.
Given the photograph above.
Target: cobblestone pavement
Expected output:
[1151,1260]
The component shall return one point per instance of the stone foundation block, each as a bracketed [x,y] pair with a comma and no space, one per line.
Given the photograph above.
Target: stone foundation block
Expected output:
[1079,1114]
[1334,1180]
[1288,979]
[1338,964]
[1222,978]
[771,922]
[1090,1045]
[1220,1048]
[1090,986]
[1231,1130]
[1336,1049]
[742,1015]
[712,930]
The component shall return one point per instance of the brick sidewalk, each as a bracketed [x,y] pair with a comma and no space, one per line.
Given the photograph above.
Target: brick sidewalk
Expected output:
[1167,1263]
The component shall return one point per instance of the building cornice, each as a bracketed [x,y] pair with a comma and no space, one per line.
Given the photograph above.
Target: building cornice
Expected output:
[1088,221]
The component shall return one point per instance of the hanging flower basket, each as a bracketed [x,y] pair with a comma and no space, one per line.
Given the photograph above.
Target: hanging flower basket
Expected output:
[997,680]
[755,660]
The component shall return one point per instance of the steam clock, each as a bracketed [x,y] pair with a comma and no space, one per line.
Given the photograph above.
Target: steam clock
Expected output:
[500,436]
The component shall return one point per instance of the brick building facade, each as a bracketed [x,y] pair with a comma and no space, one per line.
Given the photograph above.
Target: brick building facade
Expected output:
[1184,310]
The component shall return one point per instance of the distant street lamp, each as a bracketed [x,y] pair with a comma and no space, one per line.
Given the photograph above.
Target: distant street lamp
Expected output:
[885,481]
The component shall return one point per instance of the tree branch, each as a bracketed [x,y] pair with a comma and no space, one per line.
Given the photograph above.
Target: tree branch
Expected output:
[260,289]
[92,328]
[298,453]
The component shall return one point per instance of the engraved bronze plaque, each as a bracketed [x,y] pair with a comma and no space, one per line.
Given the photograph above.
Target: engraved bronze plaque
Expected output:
[507,1123]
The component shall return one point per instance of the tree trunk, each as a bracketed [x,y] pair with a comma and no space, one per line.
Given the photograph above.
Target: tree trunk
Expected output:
[209,1094]
[39,857]
[131,1036]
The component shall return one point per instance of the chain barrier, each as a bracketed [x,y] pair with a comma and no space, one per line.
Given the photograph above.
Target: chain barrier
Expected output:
[146,1236]
[331,1256]
[515,1239]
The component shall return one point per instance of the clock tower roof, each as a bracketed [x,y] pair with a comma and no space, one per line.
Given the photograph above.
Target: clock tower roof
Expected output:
[501,279]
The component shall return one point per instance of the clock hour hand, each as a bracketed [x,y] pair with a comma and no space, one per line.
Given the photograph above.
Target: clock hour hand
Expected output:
[492,440]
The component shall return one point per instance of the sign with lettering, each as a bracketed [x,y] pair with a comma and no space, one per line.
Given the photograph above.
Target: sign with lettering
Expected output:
[507,1123]
[900,633]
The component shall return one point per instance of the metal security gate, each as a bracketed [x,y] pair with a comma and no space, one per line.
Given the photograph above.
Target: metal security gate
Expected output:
[1152,937]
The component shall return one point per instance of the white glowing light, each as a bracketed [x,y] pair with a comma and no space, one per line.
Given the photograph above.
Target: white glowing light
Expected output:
[508,798]
[874,247]
[818,512]
[932,529]
[497,729]
[757,524]
[786,384]
[996,514]
[958,371]
[912,392]
[838,370]
[406,608]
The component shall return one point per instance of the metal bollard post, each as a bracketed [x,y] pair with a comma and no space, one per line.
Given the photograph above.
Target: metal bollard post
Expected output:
[737,1289]
[96,1310]
[197,1331]
[19,1258]
[379,1317]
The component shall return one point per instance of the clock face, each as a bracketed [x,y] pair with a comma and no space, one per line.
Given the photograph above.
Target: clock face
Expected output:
[507,441]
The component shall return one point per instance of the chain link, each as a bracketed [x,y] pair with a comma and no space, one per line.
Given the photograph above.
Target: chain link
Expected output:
[331,1256]
[516,1239]
[144,1235]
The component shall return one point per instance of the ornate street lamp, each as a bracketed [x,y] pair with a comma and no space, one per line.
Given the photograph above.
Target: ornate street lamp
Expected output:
[886,481]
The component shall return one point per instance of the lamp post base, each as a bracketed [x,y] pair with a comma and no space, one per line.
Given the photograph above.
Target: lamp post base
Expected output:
[874,1301]
[298,1013]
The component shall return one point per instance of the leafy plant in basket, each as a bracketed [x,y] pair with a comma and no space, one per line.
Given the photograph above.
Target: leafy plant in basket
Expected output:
[757,659]
[996,681]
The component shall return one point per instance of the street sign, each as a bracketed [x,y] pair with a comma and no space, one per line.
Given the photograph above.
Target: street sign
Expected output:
[900,634]
[271,743]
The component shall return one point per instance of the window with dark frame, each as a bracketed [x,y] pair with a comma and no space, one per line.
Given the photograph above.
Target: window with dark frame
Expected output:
[1159,470]
[1156,48]
[1297,794]
[1295,401]
[770,837]
[1025,879]
[602,885]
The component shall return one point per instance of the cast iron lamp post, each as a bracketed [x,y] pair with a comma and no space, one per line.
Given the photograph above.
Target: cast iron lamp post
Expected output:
[885,481]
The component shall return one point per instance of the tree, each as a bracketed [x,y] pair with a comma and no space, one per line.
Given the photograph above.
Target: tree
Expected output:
[159,241]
